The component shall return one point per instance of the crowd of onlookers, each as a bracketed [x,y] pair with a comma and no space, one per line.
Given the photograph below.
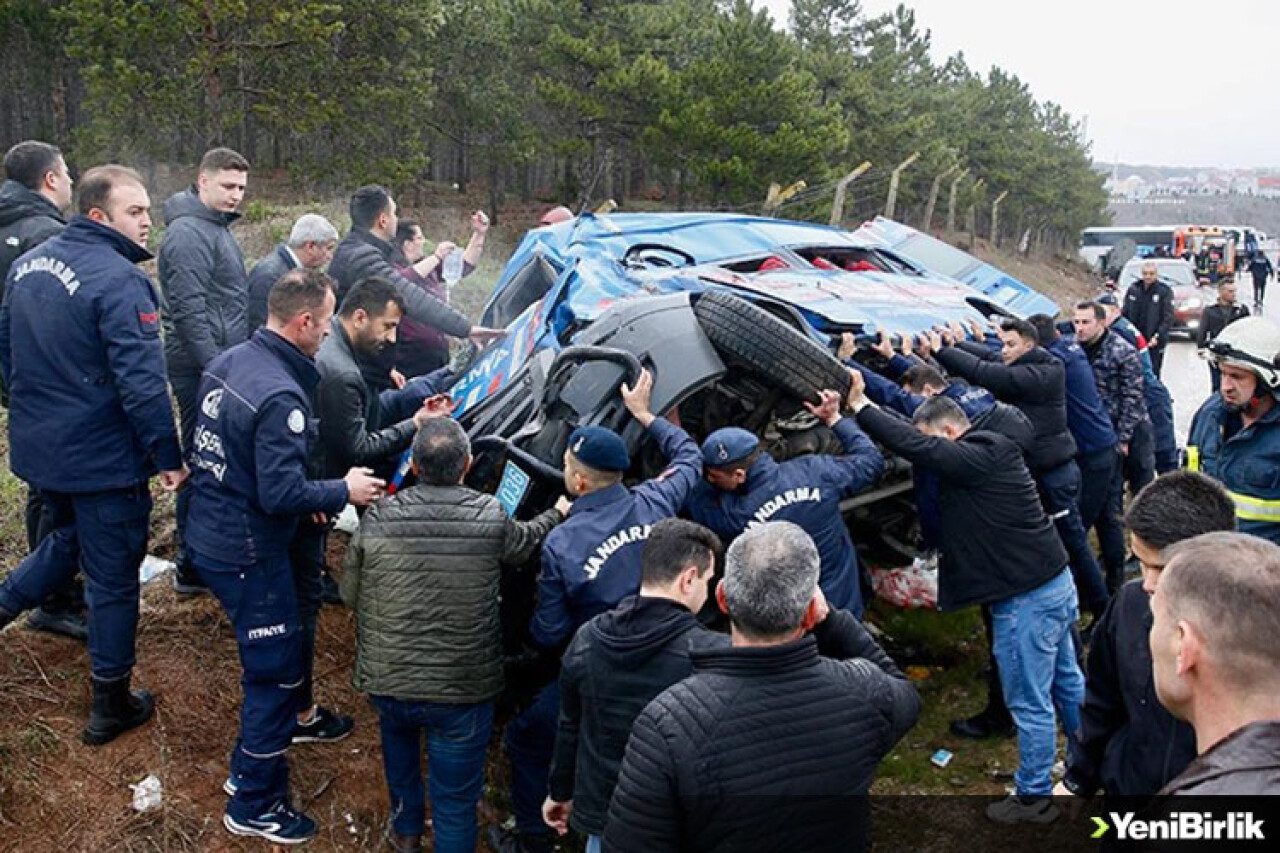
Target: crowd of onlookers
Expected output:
[711,685]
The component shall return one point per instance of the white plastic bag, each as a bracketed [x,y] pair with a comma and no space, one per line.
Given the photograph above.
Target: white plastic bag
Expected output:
[147,794]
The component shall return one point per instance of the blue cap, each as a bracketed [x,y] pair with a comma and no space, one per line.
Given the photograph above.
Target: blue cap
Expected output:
[726,446]
[599,448]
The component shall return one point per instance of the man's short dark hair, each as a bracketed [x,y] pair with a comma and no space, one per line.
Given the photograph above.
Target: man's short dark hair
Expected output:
[1022,328]
[405,229]
[673,545]
[1046,331]
[367,204]
[1178,506]
[1228,586]
[98,183]
[919,376]
[441,450]
[1099,312]
[222,159]
[371,294]
[297,291]
[936,411]
[29,161]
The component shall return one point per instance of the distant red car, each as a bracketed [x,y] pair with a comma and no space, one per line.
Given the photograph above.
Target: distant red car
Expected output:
[1189,298]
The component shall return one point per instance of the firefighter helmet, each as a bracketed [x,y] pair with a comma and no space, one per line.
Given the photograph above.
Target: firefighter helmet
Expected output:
[1252,343]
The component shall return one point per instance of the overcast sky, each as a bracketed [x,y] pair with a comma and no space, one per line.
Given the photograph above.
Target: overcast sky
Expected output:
[1151,94]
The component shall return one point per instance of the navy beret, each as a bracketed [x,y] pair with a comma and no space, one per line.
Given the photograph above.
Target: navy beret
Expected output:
[726,446]
[1108,299]
[599,448]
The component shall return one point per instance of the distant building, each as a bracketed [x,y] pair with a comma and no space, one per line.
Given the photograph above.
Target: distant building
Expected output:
[1269,186]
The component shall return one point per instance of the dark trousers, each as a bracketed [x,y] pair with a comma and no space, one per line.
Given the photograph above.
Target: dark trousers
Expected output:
[1157,358]
[1259,290]
[186,387]
[68,598]
[1060,494]
[1110,528]
[261,602]
[104,534]
[306,557]
[457,745]
[531,740]
[1140,464]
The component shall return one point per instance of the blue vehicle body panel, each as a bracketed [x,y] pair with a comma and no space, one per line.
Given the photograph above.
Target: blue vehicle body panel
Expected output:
[588,254]
[944,259]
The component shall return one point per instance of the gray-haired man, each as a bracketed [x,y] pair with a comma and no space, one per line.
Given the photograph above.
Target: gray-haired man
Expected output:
[310,246]
[737,731]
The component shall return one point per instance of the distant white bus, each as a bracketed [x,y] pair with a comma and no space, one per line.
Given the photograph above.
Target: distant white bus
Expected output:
[1095,243]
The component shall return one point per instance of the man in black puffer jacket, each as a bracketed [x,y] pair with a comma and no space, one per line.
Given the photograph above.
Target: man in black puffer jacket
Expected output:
[1026,375]
[618,662]
[422,576]
[1130,746]
[205,287]
[768,745]
[367,252]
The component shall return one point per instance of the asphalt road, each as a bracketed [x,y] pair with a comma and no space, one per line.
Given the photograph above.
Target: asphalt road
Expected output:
[1186,375]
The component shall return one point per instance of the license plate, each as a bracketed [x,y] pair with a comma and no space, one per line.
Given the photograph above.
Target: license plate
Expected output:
[511,491]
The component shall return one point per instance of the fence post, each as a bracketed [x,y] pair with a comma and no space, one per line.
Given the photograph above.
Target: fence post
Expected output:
[933,197]
[995,217]
[892,201]
[777,195]
[951,202]
[971,217]
[837,206]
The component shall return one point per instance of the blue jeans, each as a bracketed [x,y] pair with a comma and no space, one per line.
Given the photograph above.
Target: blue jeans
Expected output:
[457,744]
[594,844]
[531,740]
[1036,657]
[1060,493]
[261,602]
[105,535]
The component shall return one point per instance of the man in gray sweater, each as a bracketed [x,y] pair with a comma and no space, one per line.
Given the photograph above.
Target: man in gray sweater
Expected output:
[422,575]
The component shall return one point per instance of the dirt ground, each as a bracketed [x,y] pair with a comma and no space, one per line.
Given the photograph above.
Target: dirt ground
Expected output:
[59,795]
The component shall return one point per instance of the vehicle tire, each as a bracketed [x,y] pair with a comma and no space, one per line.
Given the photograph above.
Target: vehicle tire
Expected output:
[768,346]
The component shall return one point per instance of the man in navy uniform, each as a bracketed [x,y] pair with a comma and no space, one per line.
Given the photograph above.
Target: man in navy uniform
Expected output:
[249,488]
[745,487]
[90,423]
[589,564]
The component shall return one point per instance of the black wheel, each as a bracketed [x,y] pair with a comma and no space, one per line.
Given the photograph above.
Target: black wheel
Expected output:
[768,346]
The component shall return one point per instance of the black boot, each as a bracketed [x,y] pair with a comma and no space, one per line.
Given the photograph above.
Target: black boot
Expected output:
[116,709]
[187,581]
[6,617]
[508,841]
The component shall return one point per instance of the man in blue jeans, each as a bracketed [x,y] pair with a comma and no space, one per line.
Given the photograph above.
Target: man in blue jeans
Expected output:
[999,548]
[422,575]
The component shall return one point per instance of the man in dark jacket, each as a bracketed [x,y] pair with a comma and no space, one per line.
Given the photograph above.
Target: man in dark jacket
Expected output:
[1118,373]
[1159,402]
[36,191]
[744,486]
[352,429]
[1025,375]
[1213,653]
[770,744]
[1261,270]
[78,314]
[1148,303]
[589,565]
[617,663]
[422,575]
[1215,318]
[999,548]
[203,281]
[367,252]
[249,490]
[1130,746]
[310,246]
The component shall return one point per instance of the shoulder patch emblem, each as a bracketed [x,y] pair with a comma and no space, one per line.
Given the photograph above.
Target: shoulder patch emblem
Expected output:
[211,404]
[297,422]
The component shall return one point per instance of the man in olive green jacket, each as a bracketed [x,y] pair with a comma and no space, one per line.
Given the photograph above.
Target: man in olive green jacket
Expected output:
[422,576]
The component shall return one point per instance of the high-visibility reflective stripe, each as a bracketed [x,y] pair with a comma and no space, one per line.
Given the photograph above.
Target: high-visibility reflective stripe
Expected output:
[1250,508]
[1193,458]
